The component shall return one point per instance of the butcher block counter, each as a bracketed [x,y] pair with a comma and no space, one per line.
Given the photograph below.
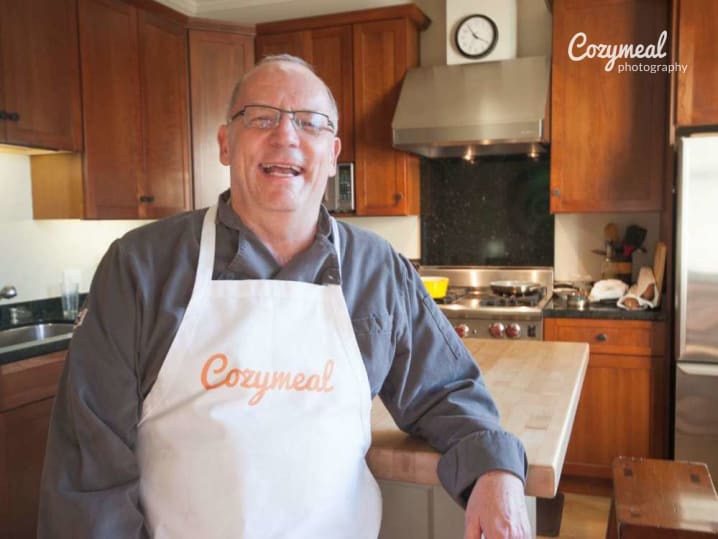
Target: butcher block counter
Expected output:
[536,387]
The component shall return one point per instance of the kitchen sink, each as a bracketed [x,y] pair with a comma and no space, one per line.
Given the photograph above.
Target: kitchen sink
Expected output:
[35,334]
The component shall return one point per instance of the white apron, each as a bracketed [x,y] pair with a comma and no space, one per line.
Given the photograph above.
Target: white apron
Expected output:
[259,421]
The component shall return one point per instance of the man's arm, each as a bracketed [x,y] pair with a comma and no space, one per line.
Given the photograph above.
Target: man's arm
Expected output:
[434,390]
[497,508]
[90,479]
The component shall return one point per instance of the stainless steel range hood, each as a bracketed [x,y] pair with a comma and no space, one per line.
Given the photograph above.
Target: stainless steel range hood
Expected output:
[474,109]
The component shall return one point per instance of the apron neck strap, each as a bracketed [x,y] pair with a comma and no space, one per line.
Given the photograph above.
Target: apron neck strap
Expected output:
[205,265]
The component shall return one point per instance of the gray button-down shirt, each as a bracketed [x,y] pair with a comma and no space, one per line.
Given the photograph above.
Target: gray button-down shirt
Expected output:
[414,361]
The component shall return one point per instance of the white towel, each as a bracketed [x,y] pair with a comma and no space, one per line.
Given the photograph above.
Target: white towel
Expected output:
[642,295]
[607,289]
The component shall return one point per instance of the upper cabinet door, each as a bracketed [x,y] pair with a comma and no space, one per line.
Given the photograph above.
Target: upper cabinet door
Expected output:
[40,74]
[331,56]
[295,43]
[697,99]
[217,61]
[386,180]
[609,128]
[329,51]
[165,117]
[111,106]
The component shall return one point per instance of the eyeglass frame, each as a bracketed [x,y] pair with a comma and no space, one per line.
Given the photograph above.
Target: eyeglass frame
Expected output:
[331,128]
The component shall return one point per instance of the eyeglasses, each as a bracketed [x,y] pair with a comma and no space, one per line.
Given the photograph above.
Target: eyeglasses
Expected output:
[266,117]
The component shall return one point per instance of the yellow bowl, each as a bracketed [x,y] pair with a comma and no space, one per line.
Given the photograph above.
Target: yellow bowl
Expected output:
[436,286]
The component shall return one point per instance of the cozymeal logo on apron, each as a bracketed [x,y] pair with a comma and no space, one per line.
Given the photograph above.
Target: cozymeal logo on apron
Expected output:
[216,374]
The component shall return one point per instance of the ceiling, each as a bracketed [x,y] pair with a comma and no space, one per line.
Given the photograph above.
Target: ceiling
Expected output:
[256,11]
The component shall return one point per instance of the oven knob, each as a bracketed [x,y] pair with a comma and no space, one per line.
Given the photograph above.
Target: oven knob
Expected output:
[513,331]
[462,330]
[496,329]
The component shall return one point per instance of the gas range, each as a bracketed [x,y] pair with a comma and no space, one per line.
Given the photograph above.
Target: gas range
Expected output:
[475,310]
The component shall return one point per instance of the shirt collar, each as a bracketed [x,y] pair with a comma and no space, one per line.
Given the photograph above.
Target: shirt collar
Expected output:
[318,263]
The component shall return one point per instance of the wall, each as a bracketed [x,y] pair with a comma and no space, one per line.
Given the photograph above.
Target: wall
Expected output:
[578,234]
[35,253]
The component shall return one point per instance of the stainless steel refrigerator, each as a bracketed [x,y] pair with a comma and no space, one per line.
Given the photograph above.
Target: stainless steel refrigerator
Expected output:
[696,377]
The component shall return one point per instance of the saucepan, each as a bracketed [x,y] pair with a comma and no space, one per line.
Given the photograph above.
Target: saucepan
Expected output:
[436,286]
[514,288]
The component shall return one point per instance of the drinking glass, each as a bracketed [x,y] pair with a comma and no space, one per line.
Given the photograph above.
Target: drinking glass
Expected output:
[70,293]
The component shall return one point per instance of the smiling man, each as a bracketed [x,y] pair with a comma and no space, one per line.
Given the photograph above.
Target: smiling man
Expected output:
[220,383]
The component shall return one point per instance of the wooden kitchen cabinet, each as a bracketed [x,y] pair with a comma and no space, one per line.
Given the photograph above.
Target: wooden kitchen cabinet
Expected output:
[696,26]
[218,58]
[365,71]
[387,180]
[134,88]
[622,409]
[40,74]
[329,51]
[609,129]
[27,390]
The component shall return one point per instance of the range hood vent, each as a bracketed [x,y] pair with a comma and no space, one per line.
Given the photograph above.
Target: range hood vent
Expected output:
[470,110]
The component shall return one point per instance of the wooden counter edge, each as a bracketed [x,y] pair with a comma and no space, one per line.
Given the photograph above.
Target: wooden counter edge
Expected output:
[396,456]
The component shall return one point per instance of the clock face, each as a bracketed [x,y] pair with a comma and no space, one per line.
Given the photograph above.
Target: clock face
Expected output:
[476,36]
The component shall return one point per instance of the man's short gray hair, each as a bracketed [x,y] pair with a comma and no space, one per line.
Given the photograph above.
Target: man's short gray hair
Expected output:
[280,58]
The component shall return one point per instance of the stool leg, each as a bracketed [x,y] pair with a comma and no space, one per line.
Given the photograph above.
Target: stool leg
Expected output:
[612,529]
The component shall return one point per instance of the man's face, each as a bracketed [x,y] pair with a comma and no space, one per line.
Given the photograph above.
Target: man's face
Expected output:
[281,169]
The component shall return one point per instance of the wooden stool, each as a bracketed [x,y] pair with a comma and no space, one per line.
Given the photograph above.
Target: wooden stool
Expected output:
[662,499]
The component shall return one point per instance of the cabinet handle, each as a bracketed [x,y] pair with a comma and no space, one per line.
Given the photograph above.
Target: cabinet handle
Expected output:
[556,192]
[601,337]
[13,116]
[147,199]
[3,115]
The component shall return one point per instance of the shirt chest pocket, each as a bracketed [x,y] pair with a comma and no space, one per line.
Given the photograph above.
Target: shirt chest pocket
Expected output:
[375,338]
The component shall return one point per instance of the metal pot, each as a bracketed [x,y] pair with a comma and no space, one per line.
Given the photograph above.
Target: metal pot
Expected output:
[514,288]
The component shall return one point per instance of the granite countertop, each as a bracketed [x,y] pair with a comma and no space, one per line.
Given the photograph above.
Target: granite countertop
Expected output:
[557,308]
[536,386]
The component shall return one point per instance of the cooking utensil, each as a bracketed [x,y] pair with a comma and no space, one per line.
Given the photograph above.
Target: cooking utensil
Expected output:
[514,288]
[578,299]
[610,233]
[436,286]
[635,236]
[659,264]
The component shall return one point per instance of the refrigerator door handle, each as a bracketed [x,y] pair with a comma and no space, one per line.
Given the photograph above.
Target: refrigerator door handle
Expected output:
[698,369]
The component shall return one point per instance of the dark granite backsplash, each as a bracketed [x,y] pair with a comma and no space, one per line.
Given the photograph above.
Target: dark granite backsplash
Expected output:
[492,212]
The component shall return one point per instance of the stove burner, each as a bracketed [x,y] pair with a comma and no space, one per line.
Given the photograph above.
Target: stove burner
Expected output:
[453,294]
[511,301]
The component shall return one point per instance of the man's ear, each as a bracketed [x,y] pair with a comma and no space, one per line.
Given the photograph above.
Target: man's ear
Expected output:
[336,150]
[223,140]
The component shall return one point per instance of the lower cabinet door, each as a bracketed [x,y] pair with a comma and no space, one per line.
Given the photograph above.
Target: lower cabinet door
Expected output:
[23,435]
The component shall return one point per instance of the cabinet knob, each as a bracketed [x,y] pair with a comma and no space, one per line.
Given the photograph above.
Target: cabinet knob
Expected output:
[399,197]
[601,337]
[556,192]
[147,199]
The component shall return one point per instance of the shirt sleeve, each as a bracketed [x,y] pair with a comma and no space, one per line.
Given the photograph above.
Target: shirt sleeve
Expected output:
[90,483]
[435,390]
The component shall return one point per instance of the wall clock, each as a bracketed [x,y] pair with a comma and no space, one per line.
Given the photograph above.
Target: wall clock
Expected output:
[476,36]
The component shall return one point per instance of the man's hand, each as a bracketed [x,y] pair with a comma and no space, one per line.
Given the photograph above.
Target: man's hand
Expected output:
[497,508]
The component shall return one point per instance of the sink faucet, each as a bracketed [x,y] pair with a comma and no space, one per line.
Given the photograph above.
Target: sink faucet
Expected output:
[8,292]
